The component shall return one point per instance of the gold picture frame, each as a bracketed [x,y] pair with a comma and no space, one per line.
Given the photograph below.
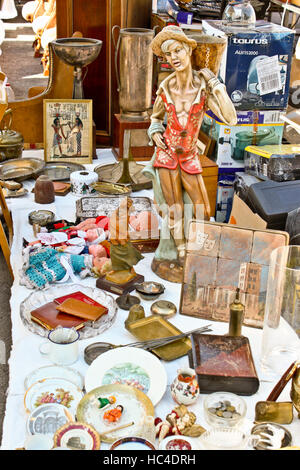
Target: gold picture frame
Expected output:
[68,130]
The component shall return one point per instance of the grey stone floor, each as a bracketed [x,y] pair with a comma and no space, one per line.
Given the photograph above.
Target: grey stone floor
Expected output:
[5,334]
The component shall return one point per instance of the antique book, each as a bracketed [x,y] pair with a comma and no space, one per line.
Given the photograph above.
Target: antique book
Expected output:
[223,363]
[49,317]
[81,309]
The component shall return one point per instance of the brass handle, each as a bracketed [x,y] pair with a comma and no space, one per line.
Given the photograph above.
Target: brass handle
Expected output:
[7,112]
[117,45]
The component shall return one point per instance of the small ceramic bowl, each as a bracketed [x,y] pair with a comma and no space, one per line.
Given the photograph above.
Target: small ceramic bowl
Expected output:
[132,443]
[224,409]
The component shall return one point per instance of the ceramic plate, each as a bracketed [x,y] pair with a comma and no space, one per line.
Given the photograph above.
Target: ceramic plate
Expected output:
[178,443]
[41,297]
[132,443]
[46,419]
[60,391]
[77,436]
[136,407]
[50,372]
[129,366]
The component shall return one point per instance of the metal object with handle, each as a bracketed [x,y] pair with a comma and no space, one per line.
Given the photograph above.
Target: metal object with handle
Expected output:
[95,349]
[135,57]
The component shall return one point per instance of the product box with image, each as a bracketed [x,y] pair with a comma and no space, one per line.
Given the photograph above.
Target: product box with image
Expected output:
[253,128]
[256,64]
[274,162]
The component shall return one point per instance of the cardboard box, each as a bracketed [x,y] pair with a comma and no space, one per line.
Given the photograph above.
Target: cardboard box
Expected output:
[253,128]
[256,64]
[225,194]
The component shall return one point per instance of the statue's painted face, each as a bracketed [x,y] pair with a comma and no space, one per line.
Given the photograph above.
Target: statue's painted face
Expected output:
[177,56]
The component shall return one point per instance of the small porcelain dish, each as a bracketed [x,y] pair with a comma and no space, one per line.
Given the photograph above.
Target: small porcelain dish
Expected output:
[132,443]
[224,439]
[224,409]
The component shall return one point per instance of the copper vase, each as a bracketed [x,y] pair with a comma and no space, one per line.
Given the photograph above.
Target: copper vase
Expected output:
[135,58]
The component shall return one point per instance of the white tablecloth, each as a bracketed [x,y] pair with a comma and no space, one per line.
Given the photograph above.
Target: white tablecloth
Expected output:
[25,356]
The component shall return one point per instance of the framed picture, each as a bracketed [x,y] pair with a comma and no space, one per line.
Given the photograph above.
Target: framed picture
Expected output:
[68,131]
[221,258]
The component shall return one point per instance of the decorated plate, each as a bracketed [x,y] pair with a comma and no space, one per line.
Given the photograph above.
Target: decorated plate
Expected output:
[102,402]
[60,391]
[178,443]
[41,297]
[46,419]
[129,366]
[77,436]
[53,371]
[132,443]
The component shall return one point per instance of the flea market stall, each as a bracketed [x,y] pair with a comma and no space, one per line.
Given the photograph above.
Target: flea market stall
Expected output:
[155,296]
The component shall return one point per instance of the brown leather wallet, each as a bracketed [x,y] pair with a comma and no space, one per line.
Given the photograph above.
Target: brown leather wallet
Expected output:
[81,309]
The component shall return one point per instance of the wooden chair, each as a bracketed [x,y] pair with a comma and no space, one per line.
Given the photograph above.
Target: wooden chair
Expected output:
[4,242]
[28,114]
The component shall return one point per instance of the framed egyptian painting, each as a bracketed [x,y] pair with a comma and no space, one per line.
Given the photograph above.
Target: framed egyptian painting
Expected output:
[68,131]
[219,259]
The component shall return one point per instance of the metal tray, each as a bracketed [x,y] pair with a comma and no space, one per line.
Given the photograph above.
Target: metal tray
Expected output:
[156,327]
[113,172]
[93,206]
[21,169]
[60,171]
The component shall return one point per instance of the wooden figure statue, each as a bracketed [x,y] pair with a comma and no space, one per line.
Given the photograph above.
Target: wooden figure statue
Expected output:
[123,255]
[175,169]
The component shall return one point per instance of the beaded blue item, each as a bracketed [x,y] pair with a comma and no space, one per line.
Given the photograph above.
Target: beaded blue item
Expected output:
[44,266]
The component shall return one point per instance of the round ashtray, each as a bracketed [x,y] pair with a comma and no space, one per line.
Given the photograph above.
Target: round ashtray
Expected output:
[271,436]
[150,290]
[41,217]
[164,308]
[224,409]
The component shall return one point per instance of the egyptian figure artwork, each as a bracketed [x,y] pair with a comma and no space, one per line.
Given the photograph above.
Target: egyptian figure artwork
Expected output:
[175,168]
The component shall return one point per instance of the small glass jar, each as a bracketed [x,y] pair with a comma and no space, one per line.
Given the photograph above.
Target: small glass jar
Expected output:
[224,409]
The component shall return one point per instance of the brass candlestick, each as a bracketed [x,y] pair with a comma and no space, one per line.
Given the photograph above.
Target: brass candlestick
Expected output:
[237,310]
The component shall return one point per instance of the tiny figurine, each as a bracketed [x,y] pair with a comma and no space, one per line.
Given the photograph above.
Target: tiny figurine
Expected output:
[185,388]
[179,421]
[175,168]
[123,255]
[103,402]
[113,415]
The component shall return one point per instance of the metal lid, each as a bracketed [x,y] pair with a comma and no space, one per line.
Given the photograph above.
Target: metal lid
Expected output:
[10,137]
[164,308]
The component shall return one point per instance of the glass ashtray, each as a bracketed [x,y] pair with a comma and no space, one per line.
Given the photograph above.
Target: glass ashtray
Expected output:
[90,329]
[224,439]
[224,409]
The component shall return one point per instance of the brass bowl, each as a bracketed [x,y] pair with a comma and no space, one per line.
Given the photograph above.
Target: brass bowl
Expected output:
[21,169]
[150,290]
